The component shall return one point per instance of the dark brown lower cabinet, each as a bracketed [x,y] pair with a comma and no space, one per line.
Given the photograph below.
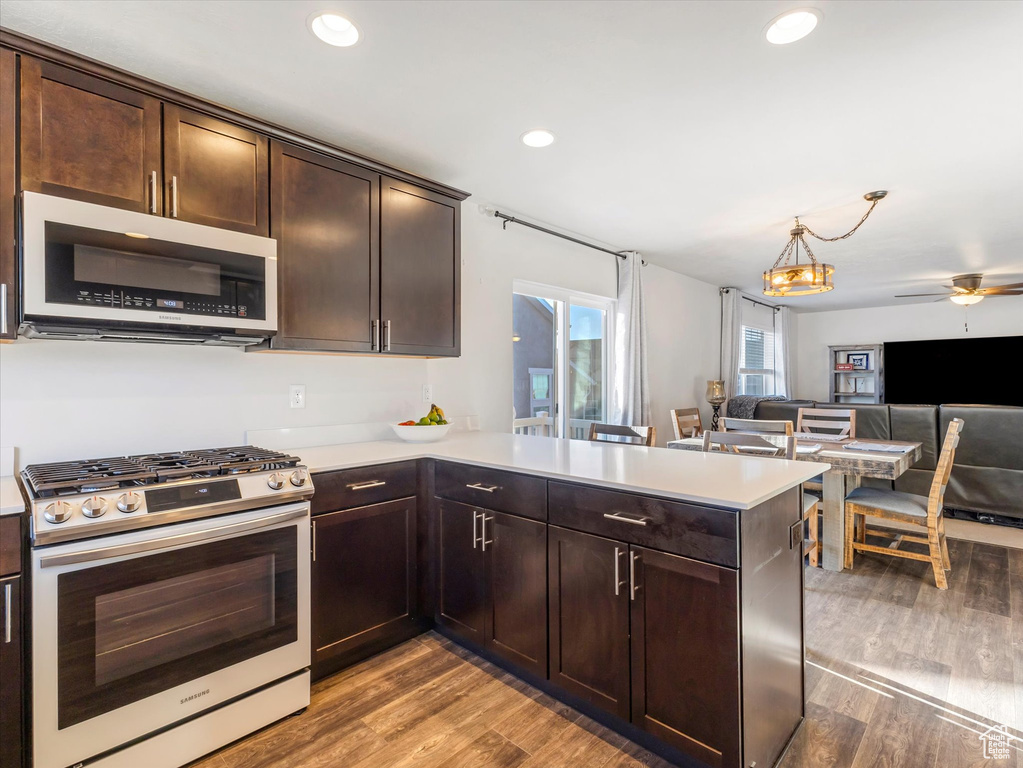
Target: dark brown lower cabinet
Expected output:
[589,618]
[492,574]
[11,675]
[364,581]
[685,655]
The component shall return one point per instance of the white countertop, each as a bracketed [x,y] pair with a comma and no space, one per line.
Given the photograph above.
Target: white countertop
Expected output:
[11,502]
[719,479]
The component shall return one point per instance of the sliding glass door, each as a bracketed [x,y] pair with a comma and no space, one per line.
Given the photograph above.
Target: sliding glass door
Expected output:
[561,352]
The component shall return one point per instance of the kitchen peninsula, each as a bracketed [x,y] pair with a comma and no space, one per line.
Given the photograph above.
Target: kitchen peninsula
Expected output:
[660,592]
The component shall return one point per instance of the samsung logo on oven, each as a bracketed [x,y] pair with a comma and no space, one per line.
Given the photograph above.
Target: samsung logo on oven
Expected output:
[195,696]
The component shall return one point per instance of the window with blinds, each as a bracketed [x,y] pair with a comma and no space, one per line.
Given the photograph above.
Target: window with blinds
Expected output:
[756,361]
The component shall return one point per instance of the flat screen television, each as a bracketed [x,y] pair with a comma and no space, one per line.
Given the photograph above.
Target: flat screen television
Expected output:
[984,370]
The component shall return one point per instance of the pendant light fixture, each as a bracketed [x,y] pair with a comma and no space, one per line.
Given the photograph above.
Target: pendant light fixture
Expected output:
[789,277]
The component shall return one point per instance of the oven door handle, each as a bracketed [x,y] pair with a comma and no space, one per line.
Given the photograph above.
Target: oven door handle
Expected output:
[223,531]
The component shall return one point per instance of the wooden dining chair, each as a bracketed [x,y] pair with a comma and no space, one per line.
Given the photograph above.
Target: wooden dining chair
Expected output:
[625,434]
[922,511]
[756,445]
[755,426]
[686,422]
[835,421]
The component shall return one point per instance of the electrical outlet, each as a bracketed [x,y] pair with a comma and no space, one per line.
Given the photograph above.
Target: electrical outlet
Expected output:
[428,393]
[296,395]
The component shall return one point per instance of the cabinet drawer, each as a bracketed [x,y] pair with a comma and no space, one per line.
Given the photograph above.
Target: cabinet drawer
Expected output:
[684,529]
[521,495]
[347,488]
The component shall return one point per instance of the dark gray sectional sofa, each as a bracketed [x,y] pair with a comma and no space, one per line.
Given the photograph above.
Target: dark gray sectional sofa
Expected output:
[987,478]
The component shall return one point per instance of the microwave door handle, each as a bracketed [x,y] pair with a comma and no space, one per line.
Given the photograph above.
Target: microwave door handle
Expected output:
[166,542]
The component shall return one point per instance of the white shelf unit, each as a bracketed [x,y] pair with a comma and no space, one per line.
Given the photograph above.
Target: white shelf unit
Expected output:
[862,384]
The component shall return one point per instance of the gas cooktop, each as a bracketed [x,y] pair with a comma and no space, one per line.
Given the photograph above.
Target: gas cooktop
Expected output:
[94,497]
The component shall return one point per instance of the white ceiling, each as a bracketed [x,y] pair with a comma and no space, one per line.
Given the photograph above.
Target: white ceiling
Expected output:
[681,132]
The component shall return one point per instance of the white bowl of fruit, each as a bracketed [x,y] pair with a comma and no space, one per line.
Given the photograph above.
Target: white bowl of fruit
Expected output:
[429,429]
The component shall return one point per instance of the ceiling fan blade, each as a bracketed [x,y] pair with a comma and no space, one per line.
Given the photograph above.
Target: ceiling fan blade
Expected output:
[999,288]
[914,295]
[1001,293]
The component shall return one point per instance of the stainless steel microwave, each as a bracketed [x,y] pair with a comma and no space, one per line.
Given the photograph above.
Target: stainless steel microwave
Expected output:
[94,272]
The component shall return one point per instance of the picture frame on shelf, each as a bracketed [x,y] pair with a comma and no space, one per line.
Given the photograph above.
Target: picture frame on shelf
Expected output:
[860,360]
[863,386]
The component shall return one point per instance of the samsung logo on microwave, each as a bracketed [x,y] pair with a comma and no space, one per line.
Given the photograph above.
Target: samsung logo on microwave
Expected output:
[195,696]
[175,318]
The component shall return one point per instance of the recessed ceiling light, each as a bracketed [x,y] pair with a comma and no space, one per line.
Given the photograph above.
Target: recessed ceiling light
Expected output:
[793,25]
[334,29]
[538,138]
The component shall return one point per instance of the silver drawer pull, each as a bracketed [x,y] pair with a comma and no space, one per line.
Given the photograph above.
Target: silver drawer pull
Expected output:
[364,486]
[481,487]
[621,518]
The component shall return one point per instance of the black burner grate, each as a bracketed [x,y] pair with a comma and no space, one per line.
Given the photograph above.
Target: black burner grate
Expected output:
[69,477]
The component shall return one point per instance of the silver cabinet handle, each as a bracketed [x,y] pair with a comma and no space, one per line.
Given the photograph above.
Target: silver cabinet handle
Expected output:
[632,576]
[622,518]
[374,341]
[152,192]
[387,335]
[368,484]
[485,518]
[481,487]
[174,197]
[618,580]
[475,529]
[314,540]
[7,613]
[3,308]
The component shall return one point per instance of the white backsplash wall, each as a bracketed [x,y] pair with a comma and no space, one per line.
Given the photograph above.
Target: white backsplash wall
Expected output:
[913,322]
[66,399]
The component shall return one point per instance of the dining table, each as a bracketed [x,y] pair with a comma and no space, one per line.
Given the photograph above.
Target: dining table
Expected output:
[848,468]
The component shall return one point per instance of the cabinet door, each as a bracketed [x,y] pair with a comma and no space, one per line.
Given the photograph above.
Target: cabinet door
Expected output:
[11,744]
[420,270]
[516,579]
[363,576]
[216,173]
[460,570]
[8,194]
[88,139]
[589,618]
[685,655]
[324,214]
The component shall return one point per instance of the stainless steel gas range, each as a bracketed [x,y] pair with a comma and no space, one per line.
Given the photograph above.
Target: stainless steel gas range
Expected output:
[170,603]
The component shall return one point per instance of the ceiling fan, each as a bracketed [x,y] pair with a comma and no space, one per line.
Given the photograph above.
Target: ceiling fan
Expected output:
[966,290]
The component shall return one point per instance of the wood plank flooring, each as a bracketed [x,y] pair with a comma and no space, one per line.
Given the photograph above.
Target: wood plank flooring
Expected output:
[898,675]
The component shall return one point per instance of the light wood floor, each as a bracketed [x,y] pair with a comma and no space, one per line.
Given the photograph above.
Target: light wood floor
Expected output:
[899,675]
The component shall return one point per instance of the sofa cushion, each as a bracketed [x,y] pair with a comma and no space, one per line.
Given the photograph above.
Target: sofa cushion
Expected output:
[781,410]
[992,435]
[872,421]
[985,489]
[917,424]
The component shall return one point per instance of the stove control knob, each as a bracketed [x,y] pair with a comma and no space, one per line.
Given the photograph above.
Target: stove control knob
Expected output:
[298,478]
[276,481]
[94,507]
[57,512]
[129,502]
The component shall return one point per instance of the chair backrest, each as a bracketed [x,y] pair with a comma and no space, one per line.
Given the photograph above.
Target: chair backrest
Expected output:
[686,422]
[935,499]
[541,425]
[736,442]
[625,434]
[837,421]
[756,426]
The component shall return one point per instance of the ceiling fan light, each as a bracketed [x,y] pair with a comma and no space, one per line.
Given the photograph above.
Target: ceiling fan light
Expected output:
[966,299]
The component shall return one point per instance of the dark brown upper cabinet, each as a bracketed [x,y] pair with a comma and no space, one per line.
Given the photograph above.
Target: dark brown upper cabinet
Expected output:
[88,139]
[685,655]
[215,173]
[8,194]
[420,270]
[325,215]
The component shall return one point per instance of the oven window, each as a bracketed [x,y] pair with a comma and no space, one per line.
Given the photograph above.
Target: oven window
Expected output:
[137,627]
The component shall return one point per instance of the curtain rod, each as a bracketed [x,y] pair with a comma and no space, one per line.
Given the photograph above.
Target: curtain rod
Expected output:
[538,228]
[742,295]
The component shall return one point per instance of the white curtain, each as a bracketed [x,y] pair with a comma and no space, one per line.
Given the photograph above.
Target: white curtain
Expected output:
[631,396]
[784,353]
[731,330]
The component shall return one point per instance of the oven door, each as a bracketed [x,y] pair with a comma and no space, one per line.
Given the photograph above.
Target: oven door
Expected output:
[135,632]
[88,264]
